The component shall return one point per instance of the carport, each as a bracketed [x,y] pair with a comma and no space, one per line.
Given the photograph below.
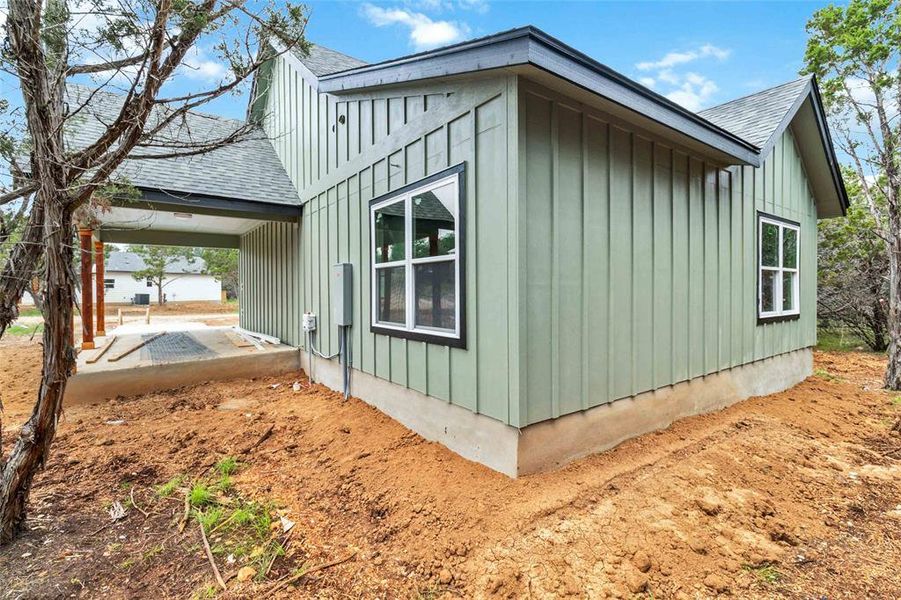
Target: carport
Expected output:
[205,200]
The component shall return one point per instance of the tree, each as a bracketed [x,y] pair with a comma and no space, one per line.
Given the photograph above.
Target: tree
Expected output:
[136,48]
[222,264]
[158,262]
[855,52]
[853,272]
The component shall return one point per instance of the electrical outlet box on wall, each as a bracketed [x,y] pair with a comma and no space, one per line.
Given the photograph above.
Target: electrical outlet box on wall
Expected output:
[342,294]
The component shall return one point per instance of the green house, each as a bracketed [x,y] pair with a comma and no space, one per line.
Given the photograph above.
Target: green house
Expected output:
[542,257]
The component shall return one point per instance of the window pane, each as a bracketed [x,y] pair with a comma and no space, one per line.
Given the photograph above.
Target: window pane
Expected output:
[389,233]
[768,291]
[788,291]
[435,294]
[434,213]
[770,242]
[789,248]
[390,304]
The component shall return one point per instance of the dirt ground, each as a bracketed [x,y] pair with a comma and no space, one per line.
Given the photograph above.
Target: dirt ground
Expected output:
[794,495]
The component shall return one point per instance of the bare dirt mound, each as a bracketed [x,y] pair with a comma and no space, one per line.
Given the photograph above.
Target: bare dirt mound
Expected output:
[793,495]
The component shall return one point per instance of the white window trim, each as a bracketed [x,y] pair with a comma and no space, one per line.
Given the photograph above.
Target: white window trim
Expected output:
[408,262]
[780,270]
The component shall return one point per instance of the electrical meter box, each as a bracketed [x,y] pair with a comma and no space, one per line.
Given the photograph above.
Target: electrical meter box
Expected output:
[342,294]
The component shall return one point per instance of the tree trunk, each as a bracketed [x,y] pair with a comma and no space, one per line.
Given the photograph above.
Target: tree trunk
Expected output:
[33,444]
[159,293]
[893,368]
[19,268]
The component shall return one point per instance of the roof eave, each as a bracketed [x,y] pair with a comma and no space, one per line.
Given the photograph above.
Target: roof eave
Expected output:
[530,46]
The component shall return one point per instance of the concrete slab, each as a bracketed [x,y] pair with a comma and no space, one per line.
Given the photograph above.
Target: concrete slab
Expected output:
[202,353]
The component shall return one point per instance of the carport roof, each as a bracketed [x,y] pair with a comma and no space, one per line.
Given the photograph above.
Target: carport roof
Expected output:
[248,170]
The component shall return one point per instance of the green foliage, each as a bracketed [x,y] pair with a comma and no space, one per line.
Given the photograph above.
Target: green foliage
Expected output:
[166,490]
[766,573]
[852,273]
[839,340]
[158,261]
[227,466]
[222,263]
[200,495]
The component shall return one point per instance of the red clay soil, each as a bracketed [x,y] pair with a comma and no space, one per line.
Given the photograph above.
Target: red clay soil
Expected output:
[794,495]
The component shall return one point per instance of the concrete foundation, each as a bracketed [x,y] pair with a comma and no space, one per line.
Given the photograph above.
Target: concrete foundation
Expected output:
[550,444]
[136,375]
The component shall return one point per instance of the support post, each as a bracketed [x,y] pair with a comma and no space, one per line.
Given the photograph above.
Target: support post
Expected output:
[99,288]
[87,292]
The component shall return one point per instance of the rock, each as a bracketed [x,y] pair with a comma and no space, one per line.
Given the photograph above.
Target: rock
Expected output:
[637,582]
[717,583]
[642,561]
[104,442]
[698,545]
[246,573]
[445,577]
[709,505]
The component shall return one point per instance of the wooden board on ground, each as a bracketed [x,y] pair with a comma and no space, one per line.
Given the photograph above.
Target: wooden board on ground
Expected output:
[99,354]
[137,346]
[238,340]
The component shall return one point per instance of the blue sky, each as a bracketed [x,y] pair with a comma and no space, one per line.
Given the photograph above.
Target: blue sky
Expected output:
[699,54]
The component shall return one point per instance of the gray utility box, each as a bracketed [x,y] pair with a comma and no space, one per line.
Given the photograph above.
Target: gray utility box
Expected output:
[342,294]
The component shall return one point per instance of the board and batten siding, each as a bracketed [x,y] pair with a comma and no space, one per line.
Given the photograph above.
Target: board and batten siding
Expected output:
[638,261]
[385,140]
[271,284]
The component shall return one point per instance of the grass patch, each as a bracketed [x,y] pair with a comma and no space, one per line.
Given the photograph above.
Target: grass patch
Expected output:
[824,374]
[25,330]
[766,573]
[168,488]
[200,495]
[830,340]
[896,401]
[234,525]
[207,591]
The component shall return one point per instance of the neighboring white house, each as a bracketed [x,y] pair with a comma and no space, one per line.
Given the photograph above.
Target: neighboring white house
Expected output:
[184,281]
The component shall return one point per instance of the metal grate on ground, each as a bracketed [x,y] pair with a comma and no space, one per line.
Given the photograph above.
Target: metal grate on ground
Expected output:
[173,347]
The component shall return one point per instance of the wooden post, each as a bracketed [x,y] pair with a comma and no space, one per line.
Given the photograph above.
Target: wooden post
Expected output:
[99,288]
[87,293]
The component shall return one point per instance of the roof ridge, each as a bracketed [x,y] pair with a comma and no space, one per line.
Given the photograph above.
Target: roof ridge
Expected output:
[757,93]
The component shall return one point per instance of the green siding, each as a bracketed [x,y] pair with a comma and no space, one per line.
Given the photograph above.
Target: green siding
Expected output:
[271,285]
[640,268]
[602,262]
[387,140]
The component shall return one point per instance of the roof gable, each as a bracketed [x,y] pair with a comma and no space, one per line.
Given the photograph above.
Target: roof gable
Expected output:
[756,117]
[763,117]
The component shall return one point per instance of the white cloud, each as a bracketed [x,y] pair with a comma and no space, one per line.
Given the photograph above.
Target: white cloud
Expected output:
[674,59]
[694,92]
[200,65]
[690,89]
[424,32]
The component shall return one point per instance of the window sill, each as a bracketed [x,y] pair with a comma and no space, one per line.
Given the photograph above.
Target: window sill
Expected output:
[419,336]
[778,319]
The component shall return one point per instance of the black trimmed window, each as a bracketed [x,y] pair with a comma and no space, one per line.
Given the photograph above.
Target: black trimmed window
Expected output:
[778,284]
[417,279]
[109,284]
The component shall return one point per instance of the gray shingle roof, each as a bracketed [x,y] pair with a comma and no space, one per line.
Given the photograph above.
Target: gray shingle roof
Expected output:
[325,61]
[129,262]
[754,118]
[246,170]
